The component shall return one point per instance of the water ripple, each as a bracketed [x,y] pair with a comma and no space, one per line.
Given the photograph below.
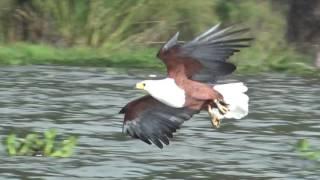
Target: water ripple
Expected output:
[85,102]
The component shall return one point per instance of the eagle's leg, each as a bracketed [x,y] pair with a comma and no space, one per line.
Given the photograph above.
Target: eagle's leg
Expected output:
[221,105]
[214,118]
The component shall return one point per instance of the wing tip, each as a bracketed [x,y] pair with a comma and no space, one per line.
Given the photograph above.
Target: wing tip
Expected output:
[123,110]
[171,42]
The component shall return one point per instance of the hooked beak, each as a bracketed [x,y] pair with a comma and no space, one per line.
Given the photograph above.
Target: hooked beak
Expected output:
[140,85]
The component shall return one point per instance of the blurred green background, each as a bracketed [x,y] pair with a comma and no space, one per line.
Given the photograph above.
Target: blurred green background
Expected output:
[129,33]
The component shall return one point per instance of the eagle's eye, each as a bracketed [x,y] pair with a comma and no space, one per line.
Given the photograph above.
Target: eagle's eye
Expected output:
[144,84]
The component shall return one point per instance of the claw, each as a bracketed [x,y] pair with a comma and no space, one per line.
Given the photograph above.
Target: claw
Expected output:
[221,106]
[215,120]
[210,110]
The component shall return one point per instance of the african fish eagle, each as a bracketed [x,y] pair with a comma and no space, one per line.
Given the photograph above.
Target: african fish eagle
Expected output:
[193,69]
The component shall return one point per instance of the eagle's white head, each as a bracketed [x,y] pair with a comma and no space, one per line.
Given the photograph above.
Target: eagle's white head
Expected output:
[165,91]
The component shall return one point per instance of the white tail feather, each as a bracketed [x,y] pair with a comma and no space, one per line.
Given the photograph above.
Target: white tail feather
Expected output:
[234,95]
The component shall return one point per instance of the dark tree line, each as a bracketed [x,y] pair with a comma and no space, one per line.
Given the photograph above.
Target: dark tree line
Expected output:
[303,26]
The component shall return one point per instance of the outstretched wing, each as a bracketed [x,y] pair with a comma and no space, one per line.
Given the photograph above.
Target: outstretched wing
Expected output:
[204,58]
[152,121]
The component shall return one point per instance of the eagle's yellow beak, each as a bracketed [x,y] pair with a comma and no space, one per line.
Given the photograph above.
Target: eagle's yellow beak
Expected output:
[140,85]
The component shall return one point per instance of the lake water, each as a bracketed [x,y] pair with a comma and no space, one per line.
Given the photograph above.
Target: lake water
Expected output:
[85,102]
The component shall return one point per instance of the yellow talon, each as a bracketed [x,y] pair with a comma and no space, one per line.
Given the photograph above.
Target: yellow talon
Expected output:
[210,110]
[214,119]
[221,107]
[215,122]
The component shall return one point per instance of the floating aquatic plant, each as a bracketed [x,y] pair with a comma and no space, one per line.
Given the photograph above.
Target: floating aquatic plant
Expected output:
[34,144]
[304,148]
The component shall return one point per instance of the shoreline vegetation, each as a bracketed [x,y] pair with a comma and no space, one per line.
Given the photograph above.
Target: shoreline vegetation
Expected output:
[247,61]
[42,54]
[119,33]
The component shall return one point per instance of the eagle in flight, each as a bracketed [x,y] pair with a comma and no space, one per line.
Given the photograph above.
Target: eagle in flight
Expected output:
[193,69]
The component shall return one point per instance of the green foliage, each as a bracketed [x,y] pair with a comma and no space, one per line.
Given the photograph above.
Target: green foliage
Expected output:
[304,148]
[35,145]
[248,61]
[119,32]
[24,54]
[269,51]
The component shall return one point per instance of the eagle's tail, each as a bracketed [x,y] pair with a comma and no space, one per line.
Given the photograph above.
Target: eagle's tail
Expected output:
[233,95]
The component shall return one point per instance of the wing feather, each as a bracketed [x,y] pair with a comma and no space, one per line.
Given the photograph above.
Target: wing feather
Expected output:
[152,121]
[203,52]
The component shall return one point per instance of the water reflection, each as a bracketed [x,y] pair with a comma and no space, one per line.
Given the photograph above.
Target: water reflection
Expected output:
[85,102]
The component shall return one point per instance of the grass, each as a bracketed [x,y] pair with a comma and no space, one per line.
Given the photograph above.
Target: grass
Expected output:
[114,33]
[25,54]
[281,59]
[253,60]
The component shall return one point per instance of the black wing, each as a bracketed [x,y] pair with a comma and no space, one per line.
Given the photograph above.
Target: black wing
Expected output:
[216,44]
[205,56]
[152,121]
